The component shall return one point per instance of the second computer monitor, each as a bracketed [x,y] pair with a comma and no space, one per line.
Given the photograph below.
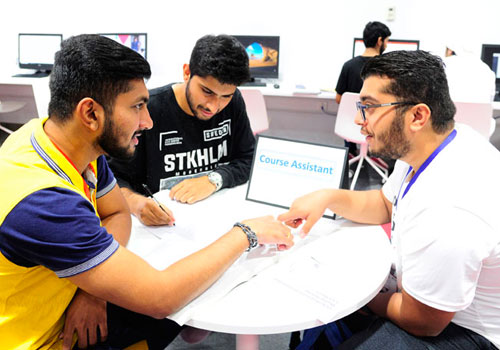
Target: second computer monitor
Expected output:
[136,41]
[490,54]
[358,46]
[37,51]
[263,54]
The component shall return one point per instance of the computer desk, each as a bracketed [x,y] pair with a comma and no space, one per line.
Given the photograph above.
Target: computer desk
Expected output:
[283,296]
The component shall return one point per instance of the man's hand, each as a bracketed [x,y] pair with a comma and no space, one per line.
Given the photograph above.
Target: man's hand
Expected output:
[310,208]
[192,190]
[148,211]
[84,315]
[271,231]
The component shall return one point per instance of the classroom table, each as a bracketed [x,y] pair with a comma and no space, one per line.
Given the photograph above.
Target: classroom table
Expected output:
[332,272]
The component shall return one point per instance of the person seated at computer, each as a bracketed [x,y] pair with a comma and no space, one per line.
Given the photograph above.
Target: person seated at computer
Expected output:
[445,230]
[201,140]
[469,78]
[375,37]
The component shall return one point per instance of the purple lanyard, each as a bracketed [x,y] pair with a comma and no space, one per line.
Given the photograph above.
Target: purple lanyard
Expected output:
[428,161]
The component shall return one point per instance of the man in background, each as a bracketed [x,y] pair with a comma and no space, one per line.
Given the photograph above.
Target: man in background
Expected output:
[469,78]
[375,37]
[201,141]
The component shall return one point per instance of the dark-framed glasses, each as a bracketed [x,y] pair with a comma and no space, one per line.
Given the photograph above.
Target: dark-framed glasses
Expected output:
[361,107]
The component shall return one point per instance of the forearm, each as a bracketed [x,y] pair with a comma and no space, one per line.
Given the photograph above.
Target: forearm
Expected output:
[192,275]
[131,198]
[146,290]
[366,207]
[236,172]
[119,224]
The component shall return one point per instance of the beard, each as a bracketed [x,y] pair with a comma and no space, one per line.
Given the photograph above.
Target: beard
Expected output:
[109,142]
[191,105]
[189,99]
[395,145]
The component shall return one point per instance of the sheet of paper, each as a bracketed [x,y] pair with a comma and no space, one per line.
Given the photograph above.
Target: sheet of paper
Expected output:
[309,274]
[246,267]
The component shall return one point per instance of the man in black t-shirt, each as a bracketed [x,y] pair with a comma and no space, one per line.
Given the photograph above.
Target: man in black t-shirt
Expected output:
[375,37]
[201,140]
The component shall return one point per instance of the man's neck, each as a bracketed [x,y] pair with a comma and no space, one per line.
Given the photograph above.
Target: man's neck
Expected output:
[423,147]
[180,97]
[75,147]
[371,52]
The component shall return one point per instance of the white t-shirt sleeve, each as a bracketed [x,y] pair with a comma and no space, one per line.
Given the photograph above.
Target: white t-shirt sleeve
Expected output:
[442,257]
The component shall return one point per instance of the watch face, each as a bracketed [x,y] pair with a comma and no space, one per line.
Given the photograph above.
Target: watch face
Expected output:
[216,179]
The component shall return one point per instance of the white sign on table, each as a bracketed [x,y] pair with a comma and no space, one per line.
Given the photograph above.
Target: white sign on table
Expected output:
[283,170]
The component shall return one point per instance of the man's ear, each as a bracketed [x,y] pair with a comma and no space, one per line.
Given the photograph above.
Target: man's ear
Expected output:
[420,116]
[380,42]
[186,72]
[90,113]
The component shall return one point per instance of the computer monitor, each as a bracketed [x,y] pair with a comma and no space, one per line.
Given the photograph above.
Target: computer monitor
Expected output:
[36,51]
[136,41]
[263,54]
[358,46]
[490,54]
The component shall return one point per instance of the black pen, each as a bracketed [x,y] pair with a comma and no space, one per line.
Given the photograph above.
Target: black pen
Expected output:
[148,191]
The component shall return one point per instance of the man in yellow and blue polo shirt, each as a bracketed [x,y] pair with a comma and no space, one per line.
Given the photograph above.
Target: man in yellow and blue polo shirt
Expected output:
[64,272]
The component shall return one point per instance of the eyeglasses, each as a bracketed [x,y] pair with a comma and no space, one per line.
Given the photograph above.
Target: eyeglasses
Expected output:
[361,107]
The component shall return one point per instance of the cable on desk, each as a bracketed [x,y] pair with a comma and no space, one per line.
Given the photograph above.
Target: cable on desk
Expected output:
[323,109]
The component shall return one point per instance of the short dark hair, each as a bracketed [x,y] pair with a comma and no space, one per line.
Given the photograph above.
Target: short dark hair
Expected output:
[91,65]
[222,57]
[419,77]
[374,30]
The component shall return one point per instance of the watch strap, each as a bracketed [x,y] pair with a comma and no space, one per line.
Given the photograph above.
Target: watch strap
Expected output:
[251,236]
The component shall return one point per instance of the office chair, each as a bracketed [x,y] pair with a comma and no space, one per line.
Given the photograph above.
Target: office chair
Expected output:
[256,109]
[478,116]
[348,130]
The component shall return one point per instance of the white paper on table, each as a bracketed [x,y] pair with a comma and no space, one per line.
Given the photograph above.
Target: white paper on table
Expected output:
[308,277]
[246,267]
[323,265]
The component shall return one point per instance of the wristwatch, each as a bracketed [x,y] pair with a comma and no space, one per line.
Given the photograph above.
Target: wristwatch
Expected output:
[216,179]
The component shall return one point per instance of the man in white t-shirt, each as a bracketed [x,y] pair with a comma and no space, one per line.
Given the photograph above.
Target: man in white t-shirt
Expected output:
[445,223]
[469,78]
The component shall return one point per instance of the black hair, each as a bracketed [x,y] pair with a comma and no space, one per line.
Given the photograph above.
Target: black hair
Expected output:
[419,77]
[222,57]
[374,30]
[94,66]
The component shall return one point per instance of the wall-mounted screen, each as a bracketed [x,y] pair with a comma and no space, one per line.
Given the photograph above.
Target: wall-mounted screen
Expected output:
[136,41]
[358,46]
[36,51]
[263,54]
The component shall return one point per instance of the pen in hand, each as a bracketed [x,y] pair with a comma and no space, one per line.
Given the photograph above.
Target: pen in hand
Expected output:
[150,194]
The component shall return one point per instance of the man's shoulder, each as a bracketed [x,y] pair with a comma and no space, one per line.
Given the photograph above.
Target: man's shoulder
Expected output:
[234,107]
[356,61]
[161,91]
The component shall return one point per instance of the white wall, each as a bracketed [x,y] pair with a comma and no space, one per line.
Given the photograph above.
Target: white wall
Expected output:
[316,35]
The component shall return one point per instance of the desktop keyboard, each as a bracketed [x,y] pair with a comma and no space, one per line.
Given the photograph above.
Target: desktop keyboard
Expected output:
[253,83]
[32,75]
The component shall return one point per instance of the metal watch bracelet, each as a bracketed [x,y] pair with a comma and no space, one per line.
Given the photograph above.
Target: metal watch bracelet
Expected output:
[251,236]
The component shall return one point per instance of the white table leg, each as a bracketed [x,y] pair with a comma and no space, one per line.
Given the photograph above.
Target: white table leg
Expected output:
[247,342]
